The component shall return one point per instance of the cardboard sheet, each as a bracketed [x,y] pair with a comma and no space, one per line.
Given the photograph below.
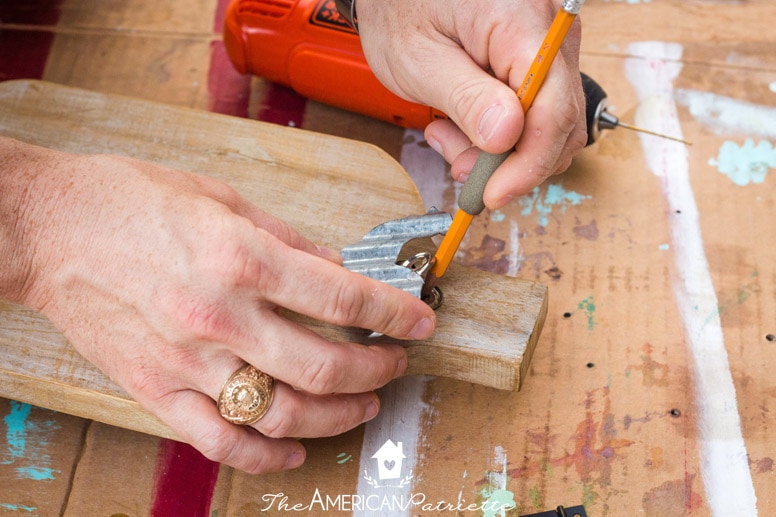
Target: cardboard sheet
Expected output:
[650,391]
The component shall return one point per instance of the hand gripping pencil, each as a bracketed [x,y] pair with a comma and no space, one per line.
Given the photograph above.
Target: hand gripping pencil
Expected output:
[470,202]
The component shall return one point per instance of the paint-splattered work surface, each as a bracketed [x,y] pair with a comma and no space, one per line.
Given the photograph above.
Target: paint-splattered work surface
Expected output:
[650,391]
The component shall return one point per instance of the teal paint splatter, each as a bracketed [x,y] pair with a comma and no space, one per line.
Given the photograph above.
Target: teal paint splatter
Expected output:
[746,164]
[497,216]
[343,457]
[588,305]
[16,431]
[26,441]
[663,247]
[17,507]
[36,473]
[555,197]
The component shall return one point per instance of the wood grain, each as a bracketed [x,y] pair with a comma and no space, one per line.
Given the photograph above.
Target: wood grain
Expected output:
[487,328]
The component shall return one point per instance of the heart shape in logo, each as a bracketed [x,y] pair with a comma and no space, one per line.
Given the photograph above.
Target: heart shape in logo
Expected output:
[389,464]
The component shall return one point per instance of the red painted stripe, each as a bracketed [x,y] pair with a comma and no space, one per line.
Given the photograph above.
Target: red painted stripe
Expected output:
[230,91]
[184,481]
[282,105]
[30,12]
[23,53]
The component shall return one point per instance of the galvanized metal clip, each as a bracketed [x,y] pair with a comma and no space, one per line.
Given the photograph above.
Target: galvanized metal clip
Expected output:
[376,255]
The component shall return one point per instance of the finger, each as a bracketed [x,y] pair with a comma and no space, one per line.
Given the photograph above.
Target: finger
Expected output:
[196,420]
[306,361]
[292,413]
[329,293]
[446,139]
[299,414]
[302,415]
[545,145]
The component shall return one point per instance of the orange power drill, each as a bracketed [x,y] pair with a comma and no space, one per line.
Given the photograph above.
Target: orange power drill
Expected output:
[309,47]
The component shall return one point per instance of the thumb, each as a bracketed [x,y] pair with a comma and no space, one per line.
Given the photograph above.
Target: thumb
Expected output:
[483,107]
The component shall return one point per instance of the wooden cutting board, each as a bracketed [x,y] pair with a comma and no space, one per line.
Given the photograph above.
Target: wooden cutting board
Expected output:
[331,189]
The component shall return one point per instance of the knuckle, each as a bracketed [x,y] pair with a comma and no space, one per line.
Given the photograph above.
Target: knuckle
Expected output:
[541,170]
[343,420]
[204,318]
[149,382]
[567,117]
[321,375]
[347,304]
[282,423]
[578,139]
[233,263]
[463,100]
[225,193]
[563,166]
[219,443]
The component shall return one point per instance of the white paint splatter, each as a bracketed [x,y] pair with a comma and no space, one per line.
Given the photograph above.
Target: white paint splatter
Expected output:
[515,253]
[498,498]
[725,115]
[725,469]
[664,247]
[772,86]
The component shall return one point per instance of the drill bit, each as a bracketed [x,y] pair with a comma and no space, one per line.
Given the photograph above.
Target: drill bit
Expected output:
[608,121]
[599,119]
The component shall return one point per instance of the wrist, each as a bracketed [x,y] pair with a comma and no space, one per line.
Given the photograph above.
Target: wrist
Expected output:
[22,212]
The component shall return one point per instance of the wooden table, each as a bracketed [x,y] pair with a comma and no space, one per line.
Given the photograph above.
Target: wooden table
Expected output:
[650,391]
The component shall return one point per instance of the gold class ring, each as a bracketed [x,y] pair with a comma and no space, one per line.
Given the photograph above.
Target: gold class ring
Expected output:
[246,396]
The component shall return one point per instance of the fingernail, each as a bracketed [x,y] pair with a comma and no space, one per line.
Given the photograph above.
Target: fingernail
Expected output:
[422,329]
[401,367]
[371,411]
[490,121]
[294,460]
[434,144]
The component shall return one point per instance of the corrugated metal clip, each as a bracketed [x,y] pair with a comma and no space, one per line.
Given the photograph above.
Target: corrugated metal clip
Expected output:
[376,254]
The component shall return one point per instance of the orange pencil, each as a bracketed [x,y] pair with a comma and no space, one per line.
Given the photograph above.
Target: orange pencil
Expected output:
[470,202]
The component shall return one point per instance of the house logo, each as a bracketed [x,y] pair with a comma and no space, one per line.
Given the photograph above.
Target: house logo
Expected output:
[389,459]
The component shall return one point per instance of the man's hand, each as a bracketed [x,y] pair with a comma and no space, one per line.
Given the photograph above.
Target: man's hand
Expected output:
[169,282]
[467,58]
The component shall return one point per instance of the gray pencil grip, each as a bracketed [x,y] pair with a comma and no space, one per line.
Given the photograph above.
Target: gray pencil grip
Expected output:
[470,200]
